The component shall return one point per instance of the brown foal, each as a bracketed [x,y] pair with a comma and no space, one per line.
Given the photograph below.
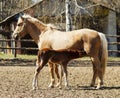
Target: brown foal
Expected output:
[61,57]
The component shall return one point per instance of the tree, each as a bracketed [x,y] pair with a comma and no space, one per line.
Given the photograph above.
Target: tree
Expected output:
[68,16]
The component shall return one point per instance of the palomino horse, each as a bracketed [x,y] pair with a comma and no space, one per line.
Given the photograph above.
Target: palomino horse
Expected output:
[90,41]
[61,57]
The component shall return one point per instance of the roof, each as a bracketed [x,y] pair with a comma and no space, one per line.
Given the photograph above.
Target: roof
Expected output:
[113,5]
[16,15]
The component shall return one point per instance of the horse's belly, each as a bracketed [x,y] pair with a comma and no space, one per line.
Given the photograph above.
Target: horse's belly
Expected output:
[68,45]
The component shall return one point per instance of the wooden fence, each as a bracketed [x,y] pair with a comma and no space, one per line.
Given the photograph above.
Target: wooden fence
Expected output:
[30,48]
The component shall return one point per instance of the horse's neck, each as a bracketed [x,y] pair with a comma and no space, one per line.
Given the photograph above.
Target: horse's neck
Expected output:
[35,29]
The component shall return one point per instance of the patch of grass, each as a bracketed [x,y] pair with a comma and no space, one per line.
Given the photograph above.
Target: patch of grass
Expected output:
[11,56]
[114,59]
[30,57]
[109,58]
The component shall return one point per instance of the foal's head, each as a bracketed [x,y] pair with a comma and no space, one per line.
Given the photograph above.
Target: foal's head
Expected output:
[44,55]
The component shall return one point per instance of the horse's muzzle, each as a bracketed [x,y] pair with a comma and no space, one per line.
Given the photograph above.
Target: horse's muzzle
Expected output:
[14,35]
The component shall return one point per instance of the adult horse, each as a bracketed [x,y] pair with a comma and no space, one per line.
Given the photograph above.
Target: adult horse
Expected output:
[90,41]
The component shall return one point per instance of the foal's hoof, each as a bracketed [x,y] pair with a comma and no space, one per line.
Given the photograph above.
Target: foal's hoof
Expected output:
[67,88]
[34,89]
[98,87]
[57,85]
[51,86]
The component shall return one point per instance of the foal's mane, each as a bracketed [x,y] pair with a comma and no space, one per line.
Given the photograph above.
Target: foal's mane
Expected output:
[26,16]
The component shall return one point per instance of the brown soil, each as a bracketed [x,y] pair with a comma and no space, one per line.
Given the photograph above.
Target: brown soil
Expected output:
[16,81]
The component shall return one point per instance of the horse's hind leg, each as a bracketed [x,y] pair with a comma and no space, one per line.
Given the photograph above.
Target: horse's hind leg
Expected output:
[94,73]
[51,66]
[97,72]
[100,77]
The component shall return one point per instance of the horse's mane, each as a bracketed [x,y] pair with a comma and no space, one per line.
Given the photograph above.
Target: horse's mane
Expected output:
[52,26]
[32,19]
[36,20]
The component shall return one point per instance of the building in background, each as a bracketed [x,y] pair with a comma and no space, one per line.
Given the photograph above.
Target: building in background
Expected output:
[100,15]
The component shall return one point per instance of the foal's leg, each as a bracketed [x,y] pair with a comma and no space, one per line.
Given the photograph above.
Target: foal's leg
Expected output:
[59,75]
[65,74]
[51,66]
[37,71]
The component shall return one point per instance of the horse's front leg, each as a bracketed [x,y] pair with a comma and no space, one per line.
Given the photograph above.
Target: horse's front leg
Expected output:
[51,68]
[63,71]
[37,71]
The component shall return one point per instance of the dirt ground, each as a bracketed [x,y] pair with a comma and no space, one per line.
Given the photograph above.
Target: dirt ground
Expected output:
[16,81]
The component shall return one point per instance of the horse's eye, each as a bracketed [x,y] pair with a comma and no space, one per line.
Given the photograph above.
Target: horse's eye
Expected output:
[20,24]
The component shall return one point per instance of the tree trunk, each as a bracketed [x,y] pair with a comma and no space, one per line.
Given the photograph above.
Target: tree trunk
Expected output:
[68,16]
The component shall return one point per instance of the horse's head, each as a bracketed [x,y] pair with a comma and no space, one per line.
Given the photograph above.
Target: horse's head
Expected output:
[20,29]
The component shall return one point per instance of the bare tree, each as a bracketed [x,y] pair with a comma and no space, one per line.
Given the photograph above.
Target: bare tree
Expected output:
[68,16]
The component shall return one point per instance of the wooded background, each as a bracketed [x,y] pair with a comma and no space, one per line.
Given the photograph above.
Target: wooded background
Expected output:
[101,15]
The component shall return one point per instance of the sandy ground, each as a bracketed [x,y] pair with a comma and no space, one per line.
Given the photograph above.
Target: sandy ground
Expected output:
[16,81]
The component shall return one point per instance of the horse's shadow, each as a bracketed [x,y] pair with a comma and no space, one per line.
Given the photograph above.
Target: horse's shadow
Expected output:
[93,88]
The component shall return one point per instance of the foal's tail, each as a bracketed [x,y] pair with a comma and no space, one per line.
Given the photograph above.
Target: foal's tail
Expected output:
[103,52]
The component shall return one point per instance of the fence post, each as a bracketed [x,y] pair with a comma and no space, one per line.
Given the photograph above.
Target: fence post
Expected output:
[13,45]
[15,51]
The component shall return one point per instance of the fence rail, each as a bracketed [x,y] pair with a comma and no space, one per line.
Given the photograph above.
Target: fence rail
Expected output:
[30,48]
[24,48]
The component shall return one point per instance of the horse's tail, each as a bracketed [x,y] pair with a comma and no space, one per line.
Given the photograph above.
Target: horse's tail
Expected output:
[103,52]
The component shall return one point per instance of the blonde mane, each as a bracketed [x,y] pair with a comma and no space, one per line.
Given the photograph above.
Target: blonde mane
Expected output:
[52,26]
[38,21]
